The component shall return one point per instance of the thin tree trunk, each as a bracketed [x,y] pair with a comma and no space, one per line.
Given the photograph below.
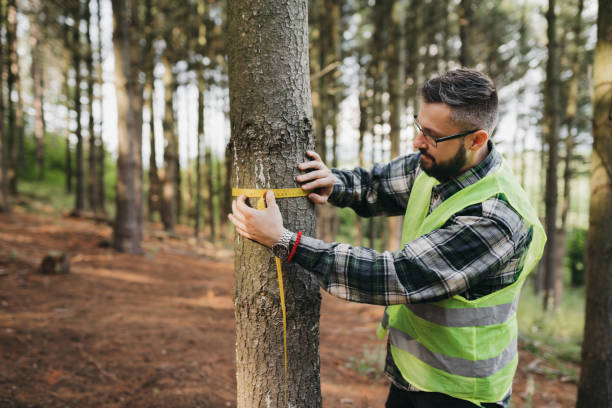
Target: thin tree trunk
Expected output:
[101,190]
[227,186]
[13,73]
[178,179]
[37,79]
[211,192]
[465,21]
[198,205]
[222,218]
[396,103]
[595,388]
[363,128]
[4,191]
[68,153]
[76,63]
[553,116]
[127,232]
[270,133]
[91,170]
[572,102]
[169,185]
[153,193]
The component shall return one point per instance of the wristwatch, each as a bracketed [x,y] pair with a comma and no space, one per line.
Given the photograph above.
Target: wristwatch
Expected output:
[281,248]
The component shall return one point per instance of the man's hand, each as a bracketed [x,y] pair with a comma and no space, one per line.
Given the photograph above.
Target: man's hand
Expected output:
[263,226]
[320,179]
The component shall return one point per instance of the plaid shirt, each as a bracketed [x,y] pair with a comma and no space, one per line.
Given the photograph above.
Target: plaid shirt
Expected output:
[478,251]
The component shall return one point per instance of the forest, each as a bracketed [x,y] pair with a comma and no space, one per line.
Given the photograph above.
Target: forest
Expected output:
[125,125]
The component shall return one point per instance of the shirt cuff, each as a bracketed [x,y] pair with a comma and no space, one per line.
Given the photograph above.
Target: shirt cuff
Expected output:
[337,191]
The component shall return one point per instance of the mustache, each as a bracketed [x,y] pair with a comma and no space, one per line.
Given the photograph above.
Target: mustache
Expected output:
[424,153]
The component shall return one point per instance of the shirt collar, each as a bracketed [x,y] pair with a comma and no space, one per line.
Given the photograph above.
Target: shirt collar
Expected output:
[471,176]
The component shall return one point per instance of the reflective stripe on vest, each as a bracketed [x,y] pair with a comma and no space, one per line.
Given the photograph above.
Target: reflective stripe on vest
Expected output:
[463,348]
[465,317]
[453,365]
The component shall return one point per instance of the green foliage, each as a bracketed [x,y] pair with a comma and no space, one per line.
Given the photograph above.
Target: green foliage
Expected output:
[576,255]
[554,335]
[51,188]
[371,363]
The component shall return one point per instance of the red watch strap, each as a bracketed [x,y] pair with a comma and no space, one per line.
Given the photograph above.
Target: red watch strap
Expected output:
[297,241]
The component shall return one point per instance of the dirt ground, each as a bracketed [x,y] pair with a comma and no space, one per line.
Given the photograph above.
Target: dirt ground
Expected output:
[158,330]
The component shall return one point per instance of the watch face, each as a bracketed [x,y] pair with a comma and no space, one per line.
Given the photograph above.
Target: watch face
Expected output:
[280,251]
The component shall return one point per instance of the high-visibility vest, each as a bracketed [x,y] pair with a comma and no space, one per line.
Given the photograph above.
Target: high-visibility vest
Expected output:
[464,348]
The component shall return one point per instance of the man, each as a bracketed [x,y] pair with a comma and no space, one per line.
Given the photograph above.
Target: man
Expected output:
[470,238]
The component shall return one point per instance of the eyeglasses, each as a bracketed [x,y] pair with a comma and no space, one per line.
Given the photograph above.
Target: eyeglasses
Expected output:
[434,141]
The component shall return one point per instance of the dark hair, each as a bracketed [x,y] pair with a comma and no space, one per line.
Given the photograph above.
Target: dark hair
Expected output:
[470,94]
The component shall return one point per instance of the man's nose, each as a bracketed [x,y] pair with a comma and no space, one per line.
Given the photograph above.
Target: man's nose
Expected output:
[419,141]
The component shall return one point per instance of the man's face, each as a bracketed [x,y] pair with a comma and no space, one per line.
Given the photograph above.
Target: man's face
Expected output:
[449,158]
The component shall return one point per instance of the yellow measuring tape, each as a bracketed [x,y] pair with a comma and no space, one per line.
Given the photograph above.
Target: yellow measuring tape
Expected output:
[261,204]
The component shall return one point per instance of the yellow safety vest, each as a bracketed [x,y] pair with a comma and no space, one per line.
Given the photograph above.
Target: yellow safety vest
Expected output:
[464,348]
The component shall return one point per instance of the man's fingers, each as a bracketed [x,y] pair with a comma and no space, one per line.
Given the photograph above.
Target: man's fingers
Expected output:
[312,175]
[237,223]
[317,199]
[244,234]
[313,154]
[314,164]
[270,199]
[325,182]
[243,207]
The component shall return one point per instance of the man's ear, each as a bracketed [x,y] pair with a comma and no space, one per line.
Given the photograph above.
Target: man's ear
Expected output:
[477,139]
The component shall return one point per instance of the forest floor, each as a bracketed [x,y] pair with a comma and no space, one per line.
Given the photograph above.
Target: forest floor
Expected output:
[157,330]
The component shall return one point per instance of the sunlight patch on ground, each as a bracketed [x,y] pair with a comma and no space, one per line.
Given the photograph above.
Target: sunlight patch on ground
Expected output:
[117,274]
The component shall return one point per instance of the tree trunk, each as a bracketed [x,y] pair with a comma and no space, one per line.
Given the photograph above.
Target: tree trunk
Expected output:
[595,389]
[4,198]
[153,199]
[198,205]
[101,190]
[211,192]
[76,64]
[396,70]
[465,21]
[271,123]
[91,170]
[169,186]
[68,153]
[127,232]
[553,116]
[222,218]
[37,79]
[572,102]
[12,78]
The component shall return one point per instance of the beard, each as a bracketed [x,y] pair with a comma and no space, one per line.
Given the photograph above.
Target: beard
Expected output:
[447,170]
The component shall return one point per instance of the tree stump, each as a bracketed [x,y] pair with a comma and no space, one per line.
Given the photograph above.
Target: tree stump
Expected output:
[55,263]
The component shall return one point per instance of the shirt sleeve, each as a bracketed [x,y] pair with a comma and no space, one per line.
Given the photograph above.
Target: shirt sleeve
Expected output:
[384,190]
[468,250]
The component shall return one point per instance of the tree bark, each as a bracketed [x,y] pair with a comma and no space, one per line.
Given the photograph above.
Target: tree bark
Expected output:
[396,71]
[92,151]
[198,205]
[127,232]
[465,20]
[76,64]
[271,124]
[570,116]
[169,185]
[12,78]
[211,192]
[4,191]
[101,190]
[37,80]
[553,118]
[595,388]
